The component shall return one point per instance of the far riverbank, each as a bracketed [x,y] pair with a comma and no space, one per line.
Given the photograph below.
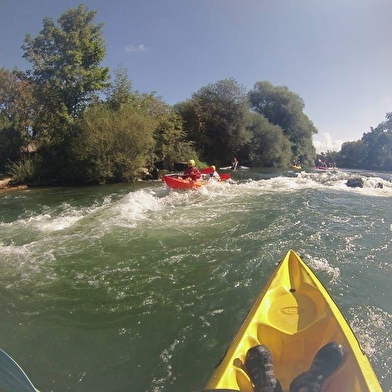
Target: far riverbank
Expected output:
[6,185]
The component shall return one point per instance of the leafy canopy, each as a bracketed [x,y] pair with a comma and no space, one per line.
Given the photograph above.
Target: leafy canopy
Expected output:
[65,61]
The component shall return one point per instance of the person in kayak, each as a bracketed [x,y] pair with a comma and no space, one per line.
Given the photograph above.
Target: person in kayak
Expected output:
[234,164]
[258,363]
[214,175]
[191,171]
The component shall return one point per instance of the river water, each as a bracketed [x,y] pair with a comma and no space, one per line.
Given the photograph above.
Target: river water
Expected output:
[139,288]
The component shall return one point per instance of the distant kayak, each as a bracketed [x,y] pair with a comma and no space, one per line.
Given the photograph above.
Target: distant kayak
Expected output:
[326,168]
[296,167]
[294,317]
[238,168]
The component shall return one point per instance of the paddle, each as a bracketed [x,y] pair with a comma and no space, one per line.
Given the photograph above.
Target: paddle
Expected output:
[12,377]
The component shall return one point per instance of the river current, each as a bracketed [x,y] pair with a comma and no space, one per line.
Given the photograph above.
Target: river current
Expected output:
[136,287]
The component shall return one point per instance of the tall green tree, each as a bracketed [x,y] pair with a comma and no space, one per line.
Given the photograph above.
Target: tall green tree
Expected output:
[171,143]
[284,108]
[16,114]
[216,119]
[372,152]
[111,145]
[378,143]
[352,155]
[119,93]
[269,147]
[66,67]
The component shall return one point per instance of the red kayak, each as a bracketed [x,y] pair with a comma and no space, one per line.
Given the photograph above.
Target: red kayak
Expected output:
[181,183]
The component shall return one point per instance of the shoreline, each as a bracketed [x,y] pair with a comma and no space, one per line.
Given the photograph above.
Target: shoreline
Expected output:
[6,186]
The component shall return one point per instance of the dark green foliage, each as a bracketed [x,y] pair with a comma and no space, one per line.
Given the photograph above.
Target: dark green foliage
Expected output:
[171,144]
[10,143]
[372,152]
[111,146]
[352,155]
[55,130]
[216,119]
[65,70]
[378,144]
[53,112]
[25,170]
[219,121]
[269,147]
[16,114]
[119,93]
[284,108]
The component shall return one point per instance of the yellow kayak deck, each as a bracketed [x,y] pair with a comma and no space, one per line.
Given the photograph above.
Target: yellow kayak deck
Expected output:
[294,316]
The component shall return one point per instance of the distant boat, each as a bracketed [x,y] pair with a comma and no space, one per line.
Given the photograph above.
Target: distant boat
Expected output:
[326,168]
[238,168]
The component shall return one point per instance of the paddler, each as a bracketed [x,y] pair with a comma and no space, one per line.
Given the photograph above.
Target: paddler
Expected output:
[191,171]
[214,175]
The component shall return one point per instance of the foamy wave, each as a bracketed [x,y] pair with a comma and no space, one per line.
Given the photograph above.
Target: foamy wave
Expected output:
[379,324]
[21,264]
[323,265]
[134,207]
[48,223]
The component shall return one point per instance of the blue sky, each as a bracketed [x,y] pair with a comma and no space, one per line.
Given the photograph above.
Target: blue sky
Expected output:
[337,54]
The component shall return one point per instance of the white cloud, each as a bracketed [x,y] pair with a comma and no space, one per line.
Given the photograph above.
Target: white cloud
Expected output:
[327,144]
[138,48]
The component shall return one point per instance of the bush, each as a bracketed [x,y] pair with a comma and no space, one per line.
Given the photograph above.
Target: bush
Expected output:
[24,171]
[111,146]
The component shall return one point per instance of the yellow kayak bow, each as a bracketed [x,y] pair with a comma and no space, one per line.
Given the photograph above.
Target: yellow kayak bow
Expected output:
[294,316]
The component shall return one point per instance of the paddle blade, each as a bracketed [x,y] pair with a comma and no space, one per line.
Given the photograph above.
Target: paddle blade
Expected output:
[12,377]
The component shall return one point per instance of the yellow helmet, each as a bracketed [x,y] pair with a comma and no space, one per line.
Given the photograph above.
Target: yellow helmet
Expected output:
[213,167]
[191,162]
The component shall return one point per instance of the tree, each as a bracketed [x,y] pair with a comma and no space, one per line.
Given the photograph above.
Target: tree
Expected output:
[352,155]
[120,93]
[269,147]
[16,114]
[284,108]
[65,66]
[171,144]
[388,122]
[378,143]
[111,145]
[216,119]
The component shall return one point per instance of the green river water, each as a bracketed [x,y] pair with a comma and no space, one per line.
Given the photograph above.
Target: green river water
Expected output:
[139,288]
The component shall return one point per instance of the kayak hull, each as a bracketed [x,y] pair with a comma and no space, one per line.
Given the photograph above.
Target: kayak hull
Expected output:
[181,183]
[326,168]
[294,316]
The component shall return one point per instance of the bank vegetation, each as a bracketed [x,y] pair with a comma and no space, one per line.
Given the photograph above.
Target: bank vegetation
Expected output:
[70,120]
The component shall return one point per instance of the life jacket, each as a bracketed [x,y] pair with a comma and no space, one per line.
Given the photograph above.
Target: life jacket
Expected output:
[192,172]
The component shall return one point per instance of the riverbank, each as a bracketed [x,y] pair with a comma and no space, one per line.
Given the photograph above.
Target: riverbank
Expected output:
[6,185]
